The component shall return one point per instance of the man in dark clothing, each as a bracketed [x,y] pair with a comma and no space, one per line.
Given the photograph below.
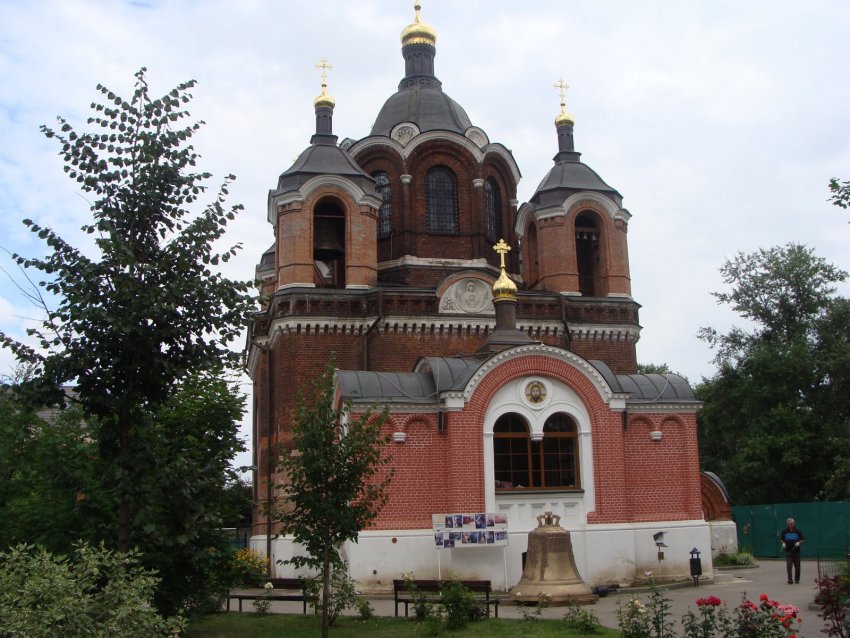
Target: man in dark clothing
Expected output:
[791,539]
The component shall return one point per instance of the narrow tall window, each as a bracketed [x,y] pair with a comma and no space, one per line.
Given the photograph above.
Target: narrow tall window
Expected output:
[382,185]
[512,453]
[558,448]
[441,192]
[492,210]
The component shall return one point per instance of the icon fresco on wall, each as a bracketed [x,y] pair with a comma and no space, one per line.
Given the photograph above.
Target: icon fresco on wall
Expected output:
[479,529]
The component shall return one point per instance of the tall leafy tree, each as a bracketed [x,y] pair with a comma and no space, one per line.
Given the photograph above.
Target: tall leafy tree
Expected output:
[775,414]
[840,192]
[337,474]
[149,308]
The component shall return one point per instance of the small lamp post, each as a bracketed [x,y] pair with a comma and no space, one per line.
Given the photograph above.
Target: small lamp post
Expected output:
[696,566]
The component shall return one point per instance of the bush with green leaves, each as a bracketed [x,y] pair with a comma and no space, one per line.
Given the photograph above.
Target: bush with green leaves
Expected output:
[343,593]
[584,621]
[97,593]
[738,559]
[460,605]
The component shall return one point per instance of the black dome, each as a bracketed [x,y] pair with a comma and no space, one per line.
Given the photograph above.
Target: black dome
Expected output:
[426,106]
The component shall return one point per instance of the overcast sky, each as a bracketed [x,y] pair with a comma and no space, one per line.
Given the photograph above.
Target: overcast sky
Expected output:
[719,122]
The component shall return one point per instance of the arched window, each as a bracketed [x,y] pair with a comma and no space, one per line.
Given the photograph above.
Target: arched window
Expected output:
[492,210]
[559,451]
[441,195]
[511,453]
[382,185]
[588,255]
[550,464]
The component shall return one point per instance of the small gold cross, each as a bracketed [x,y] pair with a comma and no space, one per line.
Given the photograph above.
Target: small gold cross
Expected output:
[562,89]
[502,248]
[324,66]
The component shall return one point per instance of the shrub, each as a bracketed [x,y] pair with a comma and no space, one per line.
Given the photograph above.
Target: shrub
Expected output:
[97,593]
[460,605]
[343,593]
[832,597]
[583,621]
[365,611]
[734,560]
[250,567]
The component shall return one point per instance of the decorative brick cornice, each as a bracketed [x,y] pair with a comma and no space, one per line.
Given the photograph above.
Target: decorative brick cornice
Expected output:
[605,332]
[636,407]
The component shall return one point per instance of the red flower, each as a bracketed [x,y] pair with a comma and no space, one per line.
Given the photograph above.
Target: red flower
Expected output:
[763,597]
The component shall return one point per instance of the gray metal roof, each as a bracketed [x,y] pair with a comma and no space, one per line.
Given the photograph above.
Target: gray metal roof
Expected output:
[449,373]
[323,159]
[652,388]
[427,107]
[432,376]
[567,177]
[386,387]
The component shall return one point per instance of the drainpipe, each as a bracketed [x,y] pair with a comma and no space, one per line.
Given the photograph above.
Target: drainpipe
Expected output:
[269,408]
[371,328]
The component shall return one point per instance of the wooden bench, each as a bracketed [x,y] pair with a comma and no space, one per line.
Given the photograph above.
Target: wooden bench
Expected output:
[280,587]
[412,591]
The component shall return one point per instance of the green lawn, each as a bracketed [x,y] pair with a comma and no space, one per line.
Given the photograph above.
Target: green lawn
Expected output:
[297,626]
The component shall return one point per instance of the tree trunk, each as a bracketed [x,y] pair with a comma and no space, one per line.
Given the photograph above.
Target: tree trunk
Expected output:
[326,592]
[124,515]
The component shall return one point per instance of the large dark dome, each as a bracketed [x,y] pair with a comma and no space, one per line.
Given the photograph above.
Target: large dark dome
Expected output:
[426,106]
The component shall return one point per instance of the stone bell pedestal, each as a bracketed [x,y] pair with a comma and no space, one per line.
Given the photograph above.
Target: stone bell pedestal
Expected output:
[550,567]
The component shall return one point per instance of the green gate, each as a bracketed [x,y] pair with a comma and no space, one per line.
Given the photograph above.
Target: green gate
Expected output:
[826,526]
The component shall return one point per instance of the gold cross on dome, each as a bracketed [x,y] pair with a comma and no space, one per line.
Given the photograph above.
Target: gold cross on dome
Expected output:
[562,89]
[324,66]
[417,8]
[502,248]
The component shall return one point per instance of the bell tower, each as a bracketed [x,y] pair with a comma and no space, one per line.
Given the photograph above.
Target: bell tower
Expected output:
[325,211]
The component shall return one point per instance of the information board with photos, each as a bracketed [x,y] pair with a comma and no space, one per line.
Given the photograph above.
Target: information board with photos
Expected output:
[470,530]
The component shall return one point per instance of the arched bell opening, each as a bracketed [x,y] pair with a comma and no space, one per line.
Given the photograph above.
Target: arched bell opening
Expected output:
[589,256]
[329,244]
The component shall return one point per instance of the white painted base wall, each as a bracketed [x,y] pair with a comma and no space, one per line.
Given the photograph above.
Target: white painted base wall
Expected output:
[620,553]
[724,537]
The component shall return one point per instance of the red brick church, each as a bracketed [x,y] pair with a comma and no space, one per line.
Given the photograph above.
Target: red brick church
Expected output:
[510,375]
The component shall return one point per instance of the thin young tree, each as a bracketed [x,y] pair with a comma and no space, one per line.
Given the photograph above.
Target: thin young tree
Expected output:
[336,478]
[147,307]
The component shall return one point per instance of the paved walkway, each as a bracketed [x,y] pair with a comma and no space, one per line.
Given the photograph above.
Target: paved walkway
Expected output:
[767,578]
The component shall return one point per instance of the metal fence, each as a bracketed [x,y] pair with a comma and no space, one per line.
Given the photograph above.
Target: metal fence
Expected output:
[826,526]
[239,536]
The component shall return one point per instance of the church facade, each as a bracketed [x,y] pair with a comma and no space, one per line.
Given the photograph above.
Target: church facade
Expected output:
[510,375]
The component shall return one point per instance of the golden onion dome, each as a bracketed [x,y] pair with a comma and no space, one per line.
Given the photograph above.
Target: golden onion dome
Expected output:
[324,100]
[564,118]
[503,288]
[418,32]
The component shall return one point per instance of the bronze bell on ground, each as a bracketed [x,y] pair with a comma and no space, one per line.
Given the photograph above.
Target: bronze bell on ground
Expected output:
[550,567]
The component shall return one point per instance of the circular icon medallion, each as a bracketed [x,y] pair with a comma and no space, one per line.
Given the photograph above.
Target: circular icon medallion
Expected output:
[535,392]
